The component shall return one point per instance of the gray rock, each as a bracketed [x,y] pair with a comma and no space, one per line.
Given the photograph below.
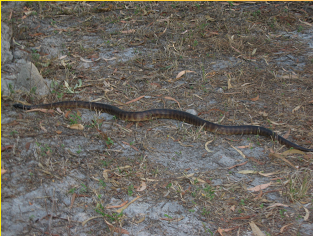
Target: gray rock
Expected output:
[6,34]
[29,77]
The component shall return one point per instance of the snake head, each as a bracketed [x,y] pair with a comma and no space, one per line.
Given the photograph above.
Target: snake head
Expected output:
[21,106]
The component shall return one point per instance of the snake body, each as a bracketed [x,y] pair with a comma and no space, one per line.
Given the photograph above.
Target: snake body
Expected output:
[169,114]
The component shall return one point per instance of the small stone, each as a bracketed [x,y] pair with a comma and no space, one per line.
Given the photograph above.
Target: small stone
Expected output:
[220,90]
[192,111]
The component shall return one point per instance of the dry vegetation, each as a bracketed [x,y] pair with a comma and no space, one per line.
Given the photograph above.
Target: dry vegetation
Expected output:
[236,53]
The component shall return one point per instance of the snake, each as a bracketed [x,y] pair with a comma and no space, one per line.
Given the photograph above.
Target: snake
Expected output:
[169,114]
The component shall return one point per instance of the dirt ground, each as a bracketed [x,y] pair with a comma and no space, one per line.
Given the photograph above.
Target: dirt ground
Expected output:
[78,172]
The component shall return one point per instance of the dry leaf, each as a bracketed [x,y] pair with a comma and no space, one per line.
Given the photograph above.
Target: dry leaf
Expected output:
[10,16]
[84,60]
[206,145]
[142,187]
[41,110]
[307,214]
[209,18]
[135,100]
[245,172]
[229,84]
[28,12]
[99,99]
[116,229]
[67,114]
[176,219]
[141,219]
[259,195]
[7,147]
[76,126]
[109,59]
[59,110]
[283,228]
[133,147]
[151,180]
[121,205]
[43,128]
[122,168]
[296,108]
[292,151]
[198,96]
[306,23]
[105,175]
[220,231]
[27,146]
[210,74]
[225,230]
[198,180]
[210,33]
[255,229]
[275,123]
[260,187]
[241,164]
[58,132]
[282,158]
[105,9]
[267,174]
[73,200]
[277,204]
[186,176]
[3,171]
[263,113]
[255,99]
[95,217]
[128,31]
[240,152]
[235,49]
[173,99]
[124,207]
[180,74]
[242,147]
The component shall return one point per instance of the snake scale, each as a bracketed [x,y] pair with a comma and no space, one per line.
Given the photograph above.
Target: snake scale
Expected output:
[169,114]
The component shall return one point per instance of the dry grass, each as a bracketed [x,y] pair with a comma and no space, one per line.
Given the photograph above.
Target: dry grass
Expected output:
[299,186]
